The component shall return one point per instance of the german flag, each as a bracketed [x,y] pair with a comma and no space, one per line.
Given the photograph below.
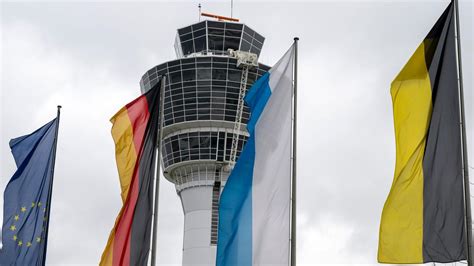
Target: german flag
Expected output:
[134,130]
[423,217]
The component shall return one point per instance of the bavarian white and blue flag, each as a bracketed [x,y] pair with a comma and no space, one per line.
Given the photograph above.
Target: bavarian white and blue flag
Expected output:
[26,198]
[254,212]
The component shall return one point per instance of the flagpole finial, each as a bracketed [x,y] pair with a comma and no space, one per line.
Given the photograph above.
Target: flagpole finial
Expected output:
[296,38]
[59,110]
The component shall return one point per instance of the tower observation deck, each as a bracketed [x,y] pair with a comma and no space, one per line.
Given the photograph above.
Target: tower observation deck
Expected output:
[205,121]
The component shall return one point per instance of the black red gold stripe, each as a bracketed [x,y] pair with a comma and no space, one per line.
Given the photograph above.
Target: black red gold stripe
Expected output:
[134,132]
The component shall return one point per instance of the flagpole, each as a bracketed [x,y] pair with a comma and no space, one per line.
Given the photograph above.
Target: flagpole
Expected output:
[467,197]
[293,176]
[157,173]
[50,193]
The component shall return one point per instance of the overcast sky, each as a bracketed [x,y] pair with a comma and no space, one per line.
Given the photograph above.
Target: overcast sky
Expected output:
[89,58]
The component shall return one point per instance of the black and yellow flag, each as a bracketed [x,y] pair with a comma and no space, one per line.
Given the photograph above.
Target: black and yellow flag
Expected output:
[423,217]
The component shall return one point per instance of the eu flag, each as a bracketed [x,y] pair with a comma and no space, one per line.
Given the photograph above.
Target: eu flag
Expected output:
[27,198]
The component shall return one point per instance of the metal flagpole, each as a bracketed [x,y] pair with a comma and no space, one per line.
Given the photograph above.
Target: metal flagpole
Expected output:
[467,197]
[50,194]
[293,177]
[157,172]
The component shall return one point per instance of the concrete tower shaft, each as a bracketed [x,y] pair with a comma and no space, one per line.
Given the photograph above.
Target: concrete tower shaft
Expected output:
[203,121]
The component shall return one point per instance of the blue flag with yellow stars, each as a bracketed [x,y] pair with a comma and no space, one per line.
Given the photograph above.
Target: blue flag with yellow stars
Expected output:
[27,198]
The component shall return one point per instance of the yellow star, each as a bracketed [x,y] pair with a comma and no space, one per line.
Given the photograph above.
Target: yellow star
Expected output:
[20,243]
[44,210]
[33,205]
[17,217]
[38,239]
[39,204]
[23,209]
[28,244]
[13,227]
[15,238]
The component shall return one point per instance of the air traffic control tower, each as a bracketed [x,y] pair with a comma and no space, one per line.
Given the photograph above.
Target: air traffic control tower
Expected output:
[205,121]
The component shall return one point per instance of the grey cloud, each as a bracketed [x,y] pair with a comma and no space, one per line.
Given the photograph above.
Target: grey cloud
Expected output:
[90,56]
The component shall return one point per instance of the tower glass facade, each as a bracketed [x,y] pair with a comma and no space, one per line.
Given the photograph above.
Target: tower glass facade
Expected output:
[217,37]
[200,112]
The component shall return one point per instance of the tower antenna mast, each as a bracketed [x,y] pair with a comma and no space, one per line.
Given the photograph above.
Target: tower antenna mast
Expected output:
[199,6]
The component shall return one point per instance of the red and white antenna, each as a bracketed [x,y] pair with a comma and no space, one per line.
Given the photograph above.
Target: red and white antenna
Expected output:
[219,18]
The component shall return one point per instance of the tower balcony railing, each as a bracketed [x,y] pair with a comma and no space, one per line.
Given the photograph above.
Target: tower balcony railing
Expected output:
[208,53]
[197,173]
